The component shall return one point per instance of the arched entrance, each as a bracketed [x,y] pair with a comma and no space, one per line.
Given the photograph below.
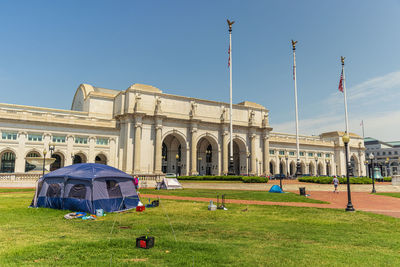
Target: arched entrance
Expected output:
[28,166]
[58,163]
[79,158]
[320,169]
[174,154]
[7,162]
[328,168]
[101,159]
[207,156]
[354,166]
[311,169]
[282,167]
[239,157]
[303,168]
[292,168]
[272,168]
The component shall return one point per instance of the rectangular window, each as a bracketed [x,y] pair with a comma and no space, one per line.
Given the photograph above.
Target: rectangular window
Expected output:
[58,139]
[319,155]
[327,155]
[102,141]
[291,153]
[383,153]
[271,152]
[390,153]
[35,137]
[301,154]
[281,152]
[310,154]
[377,153]
[9,136]
[395,152]
[81,140]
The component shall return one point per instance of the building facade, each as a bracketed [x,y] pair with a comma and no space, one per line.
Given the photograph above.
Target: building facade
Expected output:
[142,130]
[386,155]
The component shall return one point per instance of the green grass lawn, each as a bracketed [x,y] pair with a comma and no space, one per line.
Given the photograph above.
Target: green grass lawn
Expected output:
[233,194]
[258,236]
[389,194]
[7,190]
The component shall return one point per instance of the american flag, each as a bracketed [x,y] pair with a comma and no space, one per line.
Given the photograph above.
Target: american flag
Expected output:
[341,82]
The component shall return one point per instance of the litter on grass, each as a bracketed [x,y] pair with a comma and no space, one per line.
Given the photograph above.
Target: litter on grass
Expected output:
[81,215]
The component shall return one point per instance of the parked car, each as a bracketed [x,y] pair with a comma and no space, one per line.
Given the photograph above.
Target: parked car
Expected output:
[170,175]
[279,176]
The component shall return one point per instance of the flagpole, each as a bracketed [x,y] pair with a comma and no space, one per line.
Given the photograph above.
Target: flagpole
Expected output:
[346,141]
[345,96]
[298,167]
[362,124]
[230,170]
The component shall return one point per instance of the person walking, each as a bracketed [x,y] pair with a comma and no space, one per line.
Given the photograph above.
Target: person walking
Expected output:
[136,182]
[335,183]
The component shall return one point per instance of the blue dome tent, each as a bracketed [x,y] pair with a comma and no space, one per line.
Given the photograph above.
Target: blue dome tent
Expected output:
[86,187]
[275,189]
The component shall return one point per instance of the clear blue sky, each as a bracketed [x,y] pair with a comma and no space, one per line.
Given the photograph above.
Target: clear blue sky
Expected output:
[48,48]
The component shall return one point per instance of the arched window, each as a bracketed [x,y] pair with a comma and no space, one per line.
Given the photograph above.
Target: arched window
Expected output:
[271,168]
[113,189]
[8,162]
[77,159]
[101,159]
[78,191]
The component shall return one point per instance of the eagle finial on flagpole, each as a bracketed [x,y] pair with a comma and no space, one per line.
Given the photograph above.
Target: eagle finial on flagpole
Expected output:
[294,44]
[230,23]
[342,59]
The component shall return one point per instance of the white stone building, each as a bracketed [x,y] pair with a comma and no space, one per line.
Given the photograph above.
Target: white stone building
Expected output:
[386,155]
[142,130]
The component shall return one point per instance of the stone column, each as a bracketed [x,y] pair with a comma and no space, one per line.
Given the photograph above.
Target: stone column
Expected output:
[253,154]
[158,150]
[128,148]
[193,146]
[138,139]
[112,161]
[266,154]
[70,150]
[91,154]
[20,152]
[225,137]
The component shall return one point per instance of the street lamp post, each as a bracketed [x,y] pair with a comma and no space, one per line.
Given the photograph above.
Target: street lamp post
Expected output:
[327,167]
[371,173]
[367,168]
[200,158]
[346,140]
[316,165]
[248,163]
[280,171]
[44,159]
[287,166]
[176,167]
[387,166]
[52,147]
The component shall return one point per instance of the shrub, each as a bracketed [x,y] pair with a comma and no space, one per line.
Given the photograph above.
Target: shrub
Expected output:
[254,179]
[328,180]
[245,179]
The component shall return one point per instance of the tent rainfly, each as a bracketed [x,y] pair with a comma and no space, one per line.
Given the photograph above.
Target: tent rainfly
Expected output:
[169,183]
[86,187]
